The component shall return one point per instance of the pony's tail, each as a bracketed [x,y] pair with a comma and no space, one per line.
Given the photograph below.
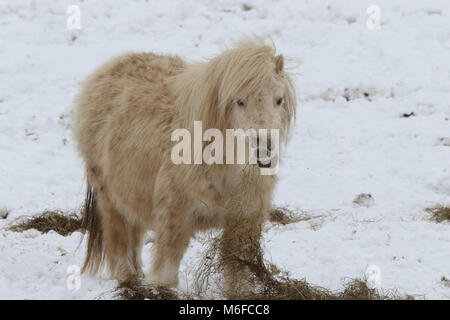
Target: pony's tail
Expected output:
[92,223]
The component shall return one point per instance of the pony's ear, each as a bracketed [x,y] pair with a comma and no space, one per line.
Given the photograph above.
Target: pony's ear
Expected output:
[279,63]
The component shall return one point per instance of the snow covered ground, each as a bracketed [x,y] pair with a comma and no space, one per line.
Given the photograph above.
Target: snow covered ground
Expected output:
[354,84]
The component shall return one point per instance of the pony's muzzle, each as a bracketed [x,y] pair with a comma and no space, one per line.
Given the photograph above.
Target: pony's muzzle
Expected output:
[264,154]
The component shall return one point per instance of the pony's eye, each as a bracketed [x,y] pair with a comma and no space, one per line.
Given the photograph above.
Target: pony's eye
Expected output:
[240,103]
[279,101]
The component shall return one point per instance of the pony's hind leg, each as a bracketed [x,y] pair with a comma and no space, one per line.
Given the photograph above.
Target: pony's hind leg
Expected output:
[171,242]
[122,243]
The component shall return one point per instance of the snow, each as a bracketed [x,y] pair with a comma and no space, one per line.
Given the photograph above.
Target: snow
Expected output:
[353,83]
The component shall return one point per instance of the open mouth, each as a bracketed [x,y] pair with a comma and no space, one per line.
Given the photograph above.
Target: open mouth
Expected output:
[264,163]
[264,158]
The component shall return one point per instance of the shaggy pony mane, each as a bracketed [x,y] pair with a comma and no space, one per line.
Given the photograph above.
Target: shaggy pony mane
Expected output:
[205,90]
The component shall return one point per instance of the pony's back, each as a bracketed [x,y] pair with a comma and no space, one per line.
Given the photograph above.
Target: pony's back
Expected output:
[104,95]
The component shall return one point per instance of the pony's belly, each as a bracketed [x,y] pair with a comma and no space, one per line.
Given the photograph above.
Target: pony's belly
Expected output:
[207,214]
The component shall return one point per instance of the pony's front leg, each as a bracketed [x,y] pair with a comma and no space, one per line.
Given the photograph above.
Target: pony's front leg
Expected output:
[241,254]
[173,233]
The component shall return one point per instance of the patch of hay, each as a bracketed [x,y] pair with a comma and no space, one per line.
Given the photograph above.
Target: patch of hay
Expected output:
[284,216]
[439,214]
[356,289]
[58,221]
[286,288]
[137,291]
[268,282]
[234,261]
